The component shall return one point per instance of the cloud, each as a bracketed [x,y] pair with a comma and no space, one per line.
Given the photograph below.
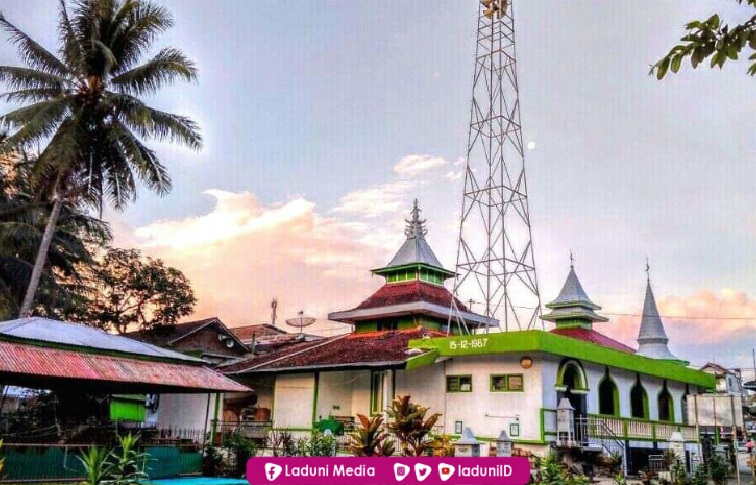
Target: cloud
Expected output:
[242,253]
[700,325]
[375,201]
[454,176]
[413,165]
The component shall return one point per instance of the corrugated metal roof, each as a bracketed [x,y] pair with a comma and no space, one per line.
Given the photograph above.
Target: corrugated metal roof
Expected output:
[43,365]
[77,334]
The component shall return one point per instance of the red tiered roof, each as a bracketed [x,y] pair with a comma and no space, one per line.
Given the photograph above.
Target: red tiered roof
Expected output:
[593,337]
[353,350]
[409,292]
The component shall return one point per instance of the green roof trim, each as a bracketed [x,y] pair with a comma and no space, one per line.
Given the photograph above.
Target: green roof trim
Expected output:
[391,269]
[427,358]
[540,341]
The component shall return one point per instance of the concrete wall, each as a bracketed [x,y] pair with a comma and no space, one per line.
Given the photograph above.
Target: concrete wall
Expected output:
[361,393]
[624,381]
[425,386]
[334,394]
[487,412]
[187,411]
[293,400]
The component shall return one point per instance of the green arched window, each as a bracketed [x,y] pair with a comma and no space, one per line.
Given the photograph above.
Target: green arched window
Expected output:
[665,405]
[608,395]
[571,376]
[638,400]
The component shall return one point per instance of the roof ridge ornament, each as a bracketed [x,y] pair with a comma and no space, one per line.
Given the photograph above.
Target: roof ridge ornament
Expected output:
[415,225]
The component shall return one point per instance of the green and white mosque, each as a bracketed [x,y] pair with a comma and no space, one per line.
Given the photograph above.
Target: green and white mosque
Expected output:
[618,399]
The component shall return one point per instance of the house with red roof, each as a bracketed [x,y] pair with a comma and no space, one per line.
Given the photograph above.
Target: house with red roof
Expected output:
[570,387]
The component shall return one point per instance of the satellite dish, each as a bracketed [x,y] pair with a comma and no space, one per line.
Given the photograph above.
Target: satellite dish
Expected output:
[300,322]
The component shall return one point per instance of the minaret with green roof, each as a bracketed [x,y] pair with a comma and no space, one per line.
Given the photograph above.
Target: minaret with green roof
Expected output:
[415,259]
[413,294]
[572,308]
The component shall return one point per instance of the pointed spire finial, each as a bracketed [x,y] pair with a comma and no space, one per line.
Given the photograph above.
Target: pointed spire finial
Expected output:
[572,260]
[415,226]
[648,271]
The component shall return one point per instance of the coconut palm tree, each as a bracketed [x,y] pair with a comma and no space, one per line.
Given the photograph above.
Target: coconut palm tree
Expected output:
[22,222]
[83,107]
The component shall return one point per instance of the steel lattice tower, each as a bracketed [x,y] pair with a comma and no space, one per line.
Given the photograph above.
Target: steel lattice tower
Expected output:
[495,262]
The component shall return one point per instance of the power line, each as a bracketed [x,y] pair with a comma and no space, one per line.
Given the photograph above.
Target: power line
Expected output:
[691,317]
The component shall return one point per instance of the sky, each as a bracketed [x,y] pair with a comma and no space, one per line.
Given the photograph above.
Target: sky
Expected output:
[322,120]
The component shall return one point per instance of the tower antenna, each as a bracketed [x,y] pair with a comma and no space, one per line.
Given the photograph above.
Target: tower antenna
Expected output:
[273,310]
[495,263]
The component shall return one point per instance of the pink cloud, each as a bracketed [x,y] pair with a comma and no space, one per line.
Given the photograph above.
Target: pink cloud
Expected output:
[705,320]
[243,253]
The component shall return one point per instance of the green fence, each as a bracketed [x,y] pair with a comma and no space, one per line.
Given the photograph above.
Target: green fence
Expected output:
[60,462]
[171,461]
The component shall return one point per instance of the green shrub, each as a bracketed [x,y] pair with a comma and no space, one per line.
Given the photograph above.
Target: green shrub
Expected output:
[719,469]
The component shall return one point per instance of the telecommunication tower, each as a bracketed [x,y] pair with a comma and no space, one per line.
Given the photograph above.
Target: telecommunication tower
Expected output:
[495,264]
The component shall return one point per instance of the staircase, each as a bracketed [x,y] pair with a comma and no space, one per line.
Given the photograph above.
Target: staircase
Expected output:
[595,435]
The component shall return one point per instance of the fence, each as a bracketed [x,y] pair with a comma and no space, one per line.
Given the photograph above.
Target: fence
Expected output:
[61,462]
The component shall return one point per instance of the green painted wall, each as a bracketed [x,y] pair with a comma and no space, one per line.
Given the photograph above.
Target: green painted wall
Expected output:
[402,323]
[536,340]
[127,410]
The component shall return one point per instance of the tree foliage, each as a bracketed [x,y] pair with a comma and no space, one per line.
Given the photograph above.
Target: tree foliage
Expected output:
[712,38]
[129,292]
[82,105]
[370,439]
[410,426]
[23,216]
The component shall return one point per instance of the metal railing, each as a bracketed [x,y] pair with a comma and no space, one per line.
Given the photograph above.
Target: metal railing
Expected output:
[596,432]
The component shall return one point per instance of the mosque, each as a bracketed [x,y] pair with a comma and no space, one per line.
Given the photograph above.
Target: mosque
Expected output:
[618,399]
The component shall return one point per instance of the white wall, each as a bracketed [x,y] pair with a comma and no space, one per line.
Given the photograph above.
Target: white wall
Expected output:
[425,386]
[293,399]
[361,393]
[334,394]
[187,411]
[487,413]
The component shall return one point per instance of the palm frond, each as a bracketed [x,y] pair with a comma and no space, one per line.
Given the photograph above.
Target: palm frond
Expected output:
[24,78]
[119,188]
[35,122]
[70,48]
[164,69]
[32,53]
[145,161]
[150,123]
[63,152]
[145,23]
[33,95]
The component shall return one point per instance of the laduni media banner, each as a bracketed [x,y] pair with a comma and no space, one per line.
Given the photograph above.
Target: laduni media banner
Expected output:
[388,471]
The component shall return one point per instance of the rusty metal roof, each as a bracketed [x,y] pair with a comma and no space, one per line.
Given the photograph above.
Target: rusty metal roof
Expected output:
[35,365]
[79,335]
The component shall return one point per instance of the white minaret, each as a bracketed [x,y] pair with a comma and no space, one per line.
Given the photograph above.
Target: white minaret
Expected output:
[652,339]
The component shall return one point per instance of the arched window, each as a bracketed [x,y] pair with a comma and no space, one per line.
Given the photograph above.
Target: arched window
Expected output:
[684,405]
[666,405]
[608,396]
[638,401]
[572,376]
